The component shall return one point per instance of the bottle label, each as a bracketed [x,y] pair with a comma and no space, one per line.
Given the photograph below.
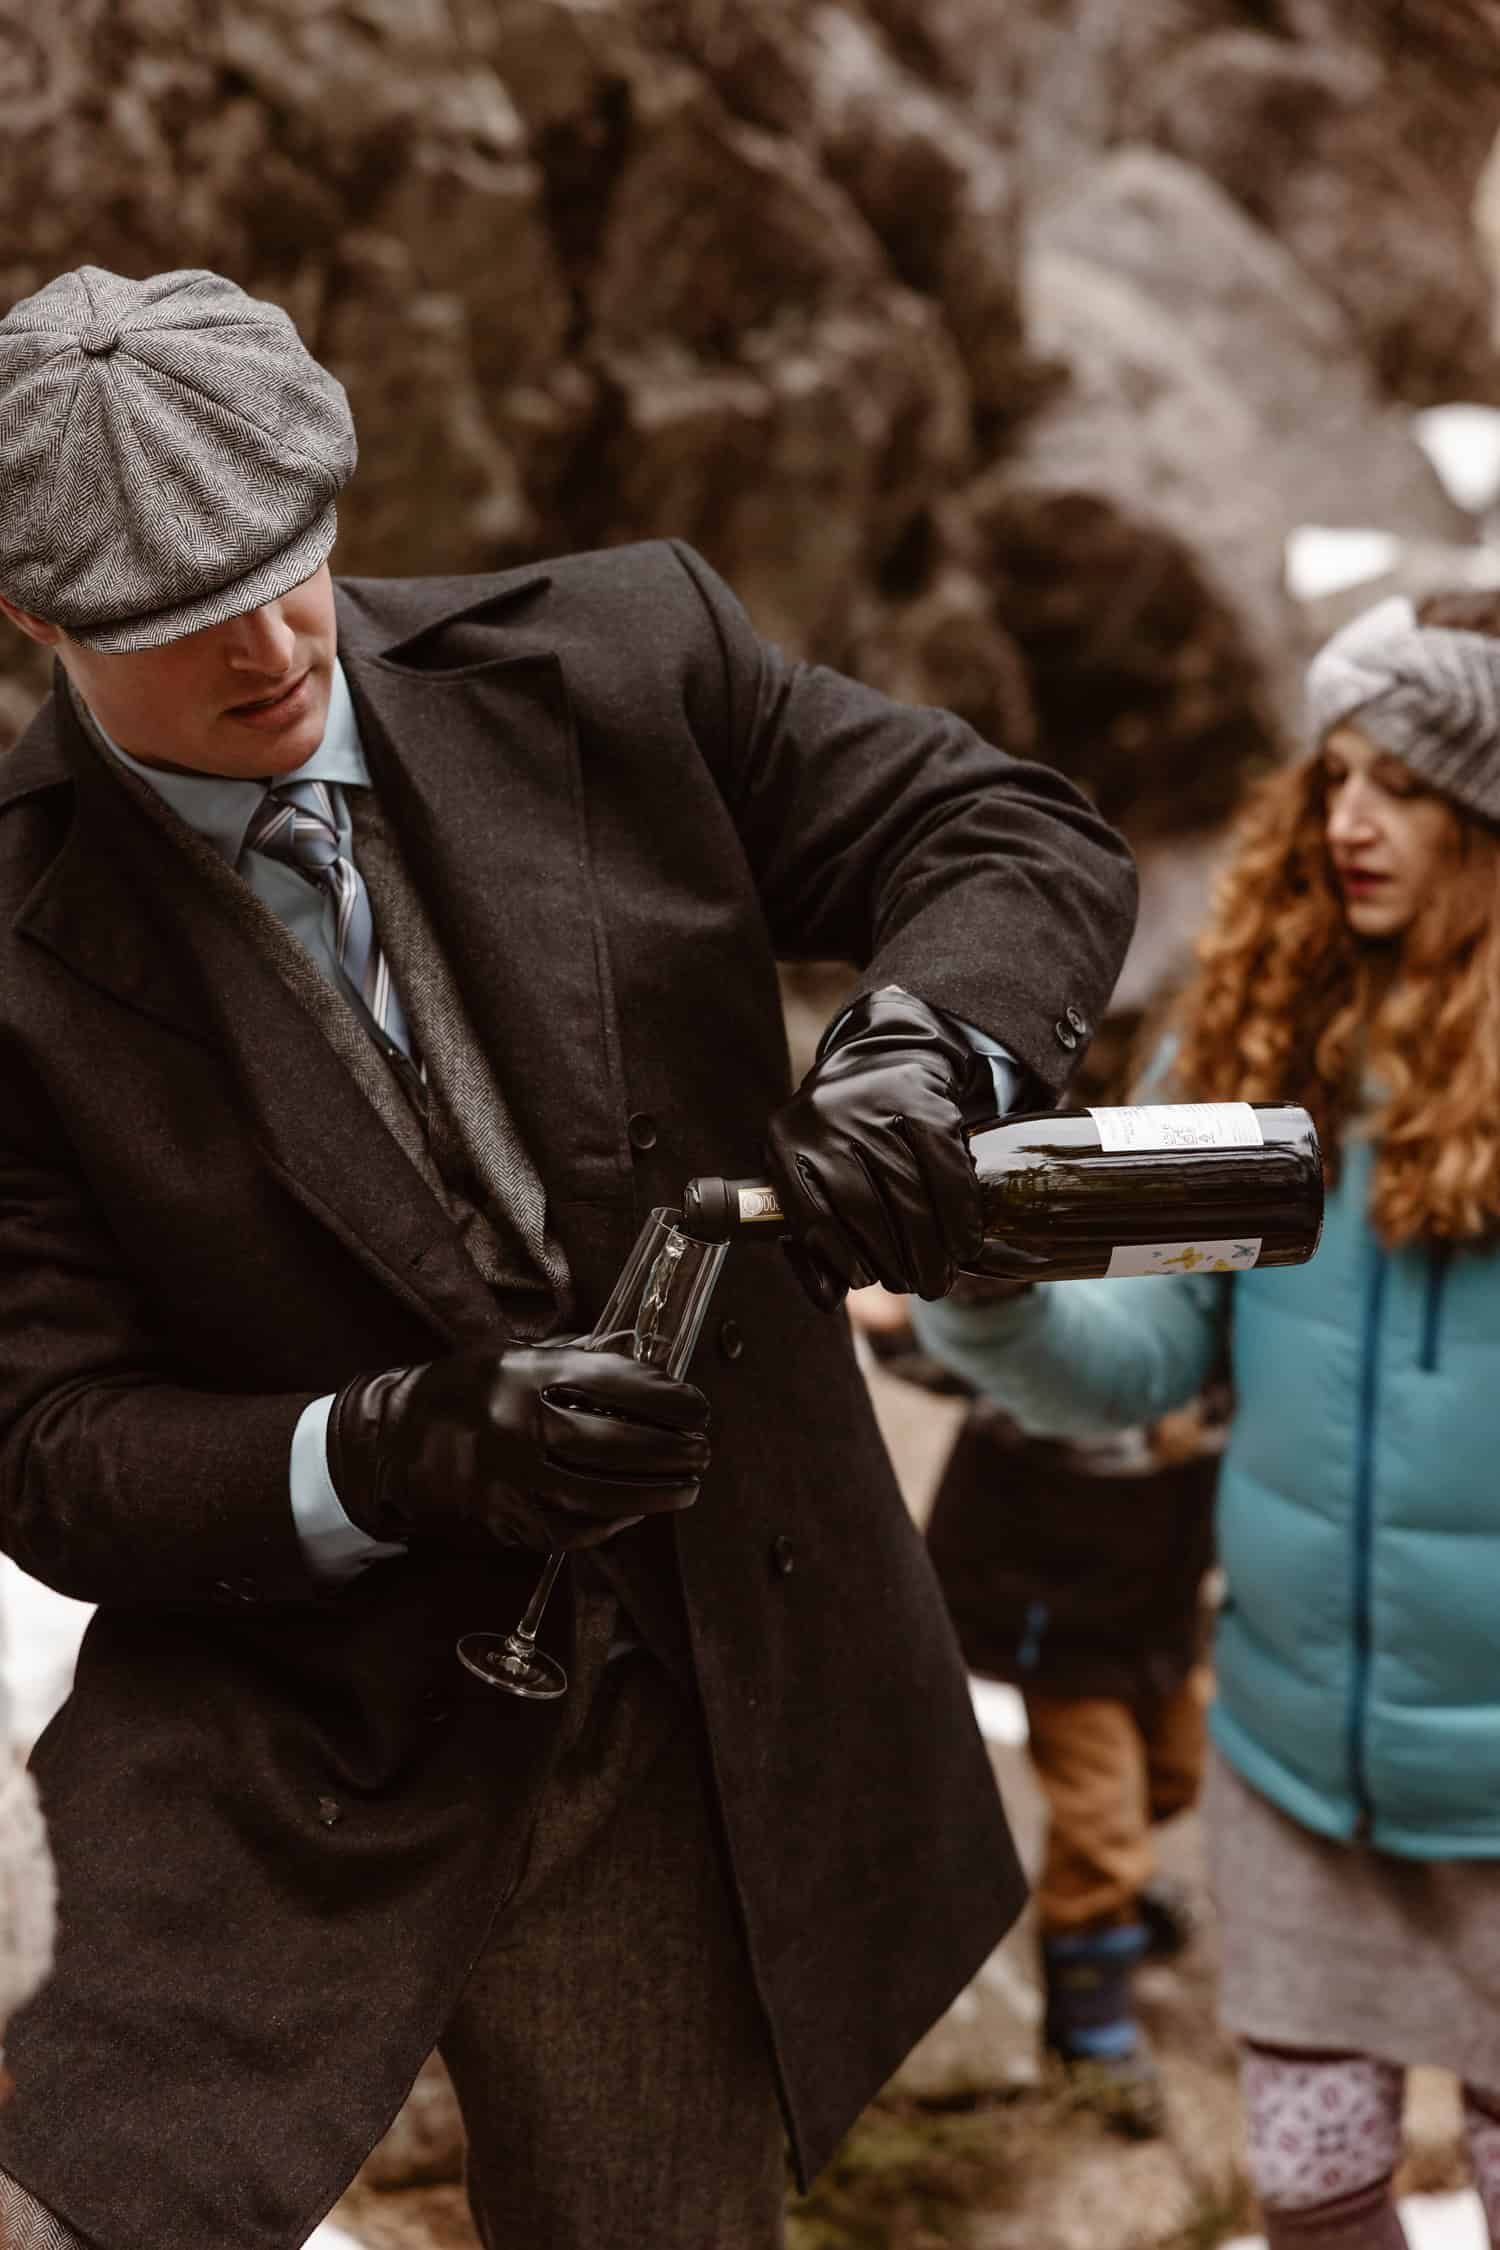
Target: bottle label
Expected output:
[1157,1126]
[1184,1257]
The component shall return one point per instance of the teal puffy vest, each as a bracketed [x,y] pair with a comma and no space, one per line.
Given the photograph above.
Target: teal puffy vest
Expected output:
[1358,1653]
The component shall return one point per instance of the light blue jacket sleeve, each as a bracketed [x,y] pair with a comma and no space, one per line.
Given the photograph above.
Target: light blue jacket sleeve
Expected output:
[1076,1359]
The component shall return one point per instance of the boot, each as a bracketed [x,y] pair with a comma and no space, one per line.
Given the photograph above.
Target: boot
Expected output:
[1090,2029]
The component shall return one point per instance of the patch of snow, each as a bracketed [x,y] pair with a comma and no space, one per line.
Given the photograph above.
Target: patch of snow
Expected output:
[1321,559]
[1463,444]
[999,1710]
[1445,2222]
[41,1635]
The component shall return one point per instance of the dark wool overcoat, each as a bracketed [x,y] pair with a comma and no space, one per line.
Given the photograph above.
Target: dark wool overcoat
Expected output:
[282,1825]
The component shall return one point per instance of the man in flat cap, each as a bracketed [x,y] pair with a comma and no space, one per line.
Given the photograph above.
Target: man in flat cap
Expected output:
[372,956]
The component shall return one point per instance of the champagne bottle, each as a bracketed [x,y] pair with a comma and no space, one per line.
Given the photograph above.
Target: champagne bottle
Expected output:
[1075,1194]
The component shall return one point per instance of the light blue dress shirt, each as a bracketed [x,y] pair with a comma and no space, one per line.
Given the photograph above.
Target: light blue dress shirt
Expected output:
[221,809]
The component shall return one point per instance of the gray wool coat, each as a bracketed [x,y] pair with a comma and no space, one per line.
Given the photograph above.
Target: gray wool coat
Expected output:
[281,1819]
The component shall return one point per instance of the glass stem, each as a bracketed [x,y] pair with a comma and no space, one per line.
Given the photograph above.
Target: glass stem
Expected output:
[526,1631]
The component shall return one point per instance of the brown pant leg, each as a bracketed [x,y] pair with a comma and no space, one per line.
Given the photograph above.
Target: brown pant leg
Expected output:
[1091,1763]
[1175,1733]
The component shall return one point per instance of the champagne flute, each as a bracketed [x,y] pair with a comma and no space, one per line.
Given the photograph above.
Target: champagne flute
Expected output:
[654,1314]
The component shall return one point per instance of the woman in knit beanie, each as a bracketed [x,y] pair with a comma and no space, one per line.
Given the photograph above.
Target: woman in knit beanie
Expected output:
[26,1885]
[1352,1809]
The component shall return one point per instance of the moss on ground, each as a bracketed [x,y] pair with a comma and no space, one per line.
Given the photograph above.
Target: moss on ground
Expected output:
[908,2178]
[914,2177]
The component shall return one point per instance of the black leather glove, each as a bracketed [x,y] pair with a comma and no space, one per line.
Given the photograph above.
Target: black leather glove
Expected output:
[869,1156]
[538,1445]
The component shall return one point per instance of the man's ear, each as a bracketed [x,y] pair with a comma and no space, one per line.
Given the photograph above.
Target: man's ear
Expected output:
[35,628]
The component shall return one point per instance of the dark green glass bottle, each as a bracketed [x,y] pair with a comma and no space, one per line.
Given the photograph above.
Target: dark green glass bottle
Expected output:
[1073,1195]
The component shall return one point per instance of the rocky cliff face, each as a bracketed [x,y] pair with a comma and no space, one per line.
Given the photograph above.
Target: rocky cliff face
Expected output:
[989,353]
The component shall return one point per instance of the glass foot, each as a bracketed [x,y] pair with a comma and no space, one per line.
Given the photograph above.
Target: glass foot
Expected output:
[503,1661]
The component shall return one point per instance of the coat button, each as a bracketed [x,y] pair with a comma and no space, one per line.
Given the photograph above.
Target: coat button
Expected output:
[330,1811]
[642,1130]
[1066,1035]
[783,1556]
[731,1342]
[1079,1023]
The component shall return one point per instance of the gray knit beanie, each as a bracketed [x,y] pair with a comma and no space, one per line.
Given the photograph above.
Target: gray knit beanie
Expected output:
[1428,694]
[170,454]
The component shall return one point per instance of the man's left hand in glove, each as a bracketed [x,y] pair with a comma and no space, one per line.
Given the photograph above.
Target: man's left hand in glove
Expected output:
[869,1157]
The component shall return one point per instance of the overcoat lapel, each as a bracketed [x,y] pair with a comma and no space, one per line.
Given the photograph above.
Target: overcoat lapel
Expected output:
[138,921]
[480,769]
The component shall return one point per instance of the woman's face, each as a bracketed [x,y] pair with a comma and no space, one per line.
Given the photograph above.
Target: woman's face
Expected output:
[1388,835]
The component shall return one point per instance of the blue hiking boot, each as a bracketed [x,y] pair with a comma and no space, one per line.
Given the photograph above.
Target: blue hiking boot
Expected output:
[1090,2028]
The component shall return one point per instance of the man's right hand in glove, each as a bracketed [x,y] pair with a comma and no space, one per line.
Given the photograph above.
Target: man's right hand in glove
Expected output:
[538,1445]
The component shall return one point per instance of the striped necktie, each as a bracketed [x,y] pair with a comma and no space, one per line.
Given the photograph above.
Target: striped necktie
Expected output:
[295,823]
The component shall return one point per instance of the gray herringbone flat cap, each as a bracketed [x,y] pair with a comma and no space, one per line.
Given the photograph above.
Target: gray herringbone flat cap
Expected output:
[169,455]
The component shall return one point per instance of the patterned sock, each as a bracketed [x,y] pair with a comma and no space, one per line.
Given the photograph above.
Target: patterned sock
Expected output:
[1324,2133]
[1482,2132]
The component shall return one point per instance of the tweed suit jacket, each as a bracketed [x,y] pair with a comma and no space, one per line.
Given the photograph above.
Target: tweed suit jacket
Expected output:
[283,1820]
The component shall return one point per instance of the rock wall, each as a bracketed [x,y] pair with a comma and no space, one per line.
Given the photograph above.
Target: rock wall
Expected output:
[990,353]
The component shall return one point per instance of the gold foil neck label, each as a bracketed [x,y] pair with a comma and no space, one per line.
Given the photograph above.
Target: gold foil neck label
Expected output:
[757,1205]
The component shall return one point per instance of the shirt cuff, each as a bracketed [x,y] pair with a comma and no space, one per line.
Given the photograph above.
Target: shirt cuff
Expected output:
[1009,1076]
[334,1547]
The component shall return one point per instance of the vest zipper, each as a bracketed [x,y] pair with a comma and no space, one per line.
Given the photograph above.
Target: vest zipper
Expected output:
[1439,1263]
[1364,1504]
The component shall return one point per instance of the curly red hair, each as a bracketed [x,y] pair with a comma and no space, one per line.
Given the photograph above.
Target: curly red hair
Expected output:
[1289,1005]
